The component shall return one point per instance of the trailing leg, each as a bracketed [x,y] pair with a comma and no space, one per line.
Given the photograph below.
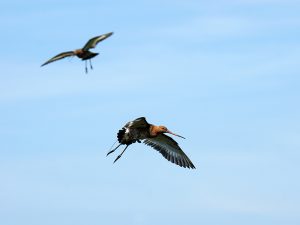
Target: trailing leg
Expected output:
[91,66]
[113,150]
[86,69]
[119,156]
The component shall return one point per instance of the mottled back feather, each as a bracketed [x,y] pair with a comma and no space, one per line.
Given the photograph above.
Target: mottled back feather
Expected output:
[137,123]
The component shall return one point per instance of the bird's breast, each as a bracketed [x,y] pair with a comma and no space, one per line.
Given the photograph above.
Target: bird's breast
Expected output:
[84,55]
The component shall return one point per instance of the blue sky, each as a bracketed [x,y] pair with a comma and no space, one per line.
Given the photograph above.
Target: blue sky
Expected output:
[224,74]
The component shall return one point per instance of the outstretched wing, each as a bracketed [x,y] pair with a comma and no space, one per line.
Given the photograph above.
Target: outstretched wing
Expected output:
[58,57]
[94,41]
[138,123]
[170,150]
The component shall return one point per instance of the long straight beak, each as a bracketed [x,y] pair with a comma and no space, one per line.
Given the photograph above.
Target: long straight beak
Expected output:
[175,134]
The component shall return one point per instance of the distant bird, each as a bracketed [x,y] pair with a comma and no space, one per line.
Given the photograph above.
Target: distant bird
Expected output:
[82,53]
[139,129]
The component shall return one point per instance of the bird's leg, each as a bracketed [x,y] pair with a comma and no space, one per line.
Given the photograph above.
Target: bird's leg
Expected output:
[113,150]
[86,69]
[91,64]
[119,156]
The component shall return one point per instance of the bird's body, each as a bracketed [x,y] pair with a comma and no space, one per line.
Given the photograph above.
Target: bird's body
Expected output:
[85,55]
[82,53]
[152,135]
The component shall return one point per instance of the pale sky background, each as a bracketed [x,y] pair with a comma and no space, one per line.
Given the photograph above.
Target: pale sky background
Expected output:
[224,74]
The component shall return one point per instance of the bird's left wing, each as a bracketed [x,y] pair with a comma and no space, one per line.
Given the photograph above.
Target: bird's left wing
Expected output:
[170,150]
[138,123]
[94,41]
[59,56]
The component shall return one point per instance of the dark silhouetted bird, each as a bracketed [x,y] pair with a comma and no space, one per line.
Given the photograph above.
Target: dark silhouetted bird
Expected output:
[154,136]
[82,53]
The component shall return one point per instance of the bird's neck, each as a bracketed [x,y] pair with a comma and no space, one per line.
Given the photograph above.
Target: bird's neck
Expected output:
[78,51]
[154,130]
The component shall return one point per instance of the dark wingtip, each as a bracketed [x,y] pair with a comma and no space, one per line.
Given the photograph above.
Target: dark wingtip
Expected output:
[191,166]
[45,63]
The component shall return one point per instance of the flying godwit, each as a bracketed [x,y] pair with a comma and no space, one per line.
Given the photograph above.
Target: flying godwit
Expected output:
[82,53]
[139,129]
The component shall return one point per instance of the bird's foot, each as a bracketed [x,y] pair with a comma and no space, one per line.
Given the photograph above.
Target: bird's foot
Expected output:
[119,156]
[110,152]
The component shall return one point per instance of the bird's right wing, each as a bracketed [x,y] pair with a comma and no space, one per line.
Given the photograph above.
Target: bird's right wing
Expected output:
[94,41]
[59,56]
[170,150]
[138,123]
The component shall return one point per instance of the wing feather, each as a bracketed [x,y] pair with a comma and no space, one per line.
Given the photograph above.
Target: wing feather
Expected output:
[94,41]
[137,123]
[170,150]
[59,56]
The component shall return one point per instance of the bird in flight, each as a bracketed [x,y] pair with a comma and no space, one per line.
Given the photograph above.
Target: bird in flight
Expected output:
[82,53]
[154,136]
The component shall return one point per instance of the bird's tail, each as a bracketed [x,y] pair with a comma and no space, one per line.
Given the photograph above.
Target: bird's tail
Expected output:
[121,134]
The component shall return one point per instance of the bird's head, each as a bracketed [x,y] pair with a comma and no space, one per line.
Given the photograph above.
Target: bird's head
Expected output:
[163,129]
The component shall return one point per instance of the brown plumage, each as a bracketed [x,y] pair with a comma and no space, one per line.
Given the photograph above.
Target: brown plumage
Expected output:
[82,53]
[139,129]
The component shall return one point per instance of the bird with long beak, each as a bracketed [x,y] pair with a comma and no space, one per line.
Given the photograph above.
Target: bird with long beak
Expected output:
[154,136]
[82,53]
